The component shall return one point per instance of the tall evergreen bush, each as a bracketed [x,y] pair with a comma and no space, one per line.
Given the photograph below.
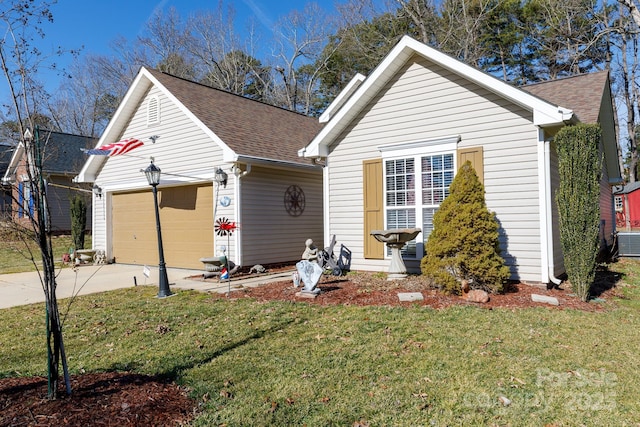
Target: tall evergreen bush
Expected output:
[580,169]
[464,243]
[78,220]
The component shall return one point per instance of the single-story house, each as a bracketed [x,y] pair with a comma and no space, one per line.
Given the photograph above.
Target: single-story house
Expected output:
[392,142]
[627,205]
[62,159]
[190,131]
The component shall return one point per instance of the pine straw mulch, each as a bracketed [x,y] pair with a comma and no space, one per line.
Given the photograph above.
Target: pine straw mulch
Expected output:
[127,399]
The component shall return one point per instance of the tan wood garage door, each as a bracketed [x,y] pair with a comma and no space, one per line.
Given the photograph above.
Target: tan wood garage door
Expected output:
[186,216]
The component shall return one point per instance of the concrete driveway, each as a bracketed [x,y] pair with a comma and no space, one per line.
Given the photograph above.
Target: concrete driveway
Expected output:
[25,288]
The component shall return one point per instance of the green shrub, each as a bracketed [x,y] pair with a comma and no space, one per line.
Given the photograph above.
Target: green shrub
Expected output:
[580,169]
[78,220]
[464,243]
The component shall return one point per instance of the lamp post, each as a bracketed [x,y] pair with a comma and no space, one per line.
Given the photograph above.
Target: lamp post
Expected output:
[152,173]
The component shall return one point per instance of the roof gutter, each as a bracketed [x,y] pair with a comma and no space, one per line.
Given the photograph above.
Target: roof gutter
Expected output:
[269,162]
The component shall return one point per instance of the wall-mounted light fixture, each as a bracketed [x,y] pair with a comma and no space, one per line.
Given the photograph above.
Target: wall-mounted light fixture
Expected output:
[97,190]
[221,177]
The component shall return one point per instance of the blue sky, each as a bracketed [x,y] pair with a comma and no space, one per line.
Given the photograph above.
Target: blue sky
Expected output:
[93,24]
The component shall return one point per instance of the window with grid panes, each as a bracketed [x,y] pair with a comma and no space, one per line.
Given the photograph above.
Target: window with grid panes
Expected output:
[414,188]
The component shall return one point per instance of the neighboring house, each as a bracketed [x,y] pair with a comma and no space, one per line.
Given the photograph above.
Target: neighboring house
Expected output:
[61,161]
[627,205]
[393,141]
[190,130]
[6,151]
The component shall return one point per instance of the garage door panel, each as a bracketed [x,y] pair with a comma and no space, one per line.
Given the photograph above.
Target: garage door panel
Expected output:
[186,216]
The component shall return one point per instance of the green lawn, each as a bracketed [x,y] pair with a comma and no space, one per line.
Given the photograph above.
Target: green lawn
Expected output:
[16,254]
[278,363]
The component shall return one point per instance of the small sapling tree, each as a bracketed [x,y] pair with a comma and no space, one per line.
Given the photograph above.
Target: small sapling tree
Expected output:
[78,220]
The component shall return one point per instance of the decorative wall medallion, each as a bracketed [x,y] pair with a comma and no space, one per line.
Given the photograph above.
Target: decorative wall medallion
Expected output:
[225,201]
[294,200]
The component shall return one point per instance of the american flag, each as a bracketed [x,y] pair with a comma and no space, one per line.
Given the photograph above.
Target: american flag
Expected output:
[116,148]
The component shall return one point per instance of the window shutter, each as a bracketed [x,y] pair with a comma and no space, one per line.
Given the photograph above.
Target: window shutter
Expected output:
[20,199]
[373,207]
[474,155]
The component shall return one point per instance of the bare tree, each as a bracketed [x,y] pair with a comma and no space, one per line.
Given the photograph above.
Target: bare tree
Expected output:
[167,40]
[21,21]
[626,78]
[633,10]
[84,103]
[300,38]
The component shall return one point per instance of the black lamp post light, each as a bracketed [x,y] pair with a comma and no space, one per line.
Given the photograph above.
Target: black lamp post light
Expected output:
[152,173]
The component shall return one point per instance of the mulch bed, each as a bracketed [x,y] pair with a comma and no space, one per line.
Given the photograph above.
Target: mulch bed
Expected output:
[126,399]
[367,289]
[103,399]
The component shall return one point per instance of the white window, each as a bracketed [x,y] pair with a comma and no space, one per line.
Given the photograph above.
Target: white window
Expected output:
[153,111]
[416,181]
[618,202]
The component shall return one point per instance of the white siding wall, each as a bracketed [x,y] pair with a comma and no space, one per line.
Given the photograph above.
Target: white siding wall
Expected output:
[183,152]
[99,223]
[558,258]
[427,102]
[269,234]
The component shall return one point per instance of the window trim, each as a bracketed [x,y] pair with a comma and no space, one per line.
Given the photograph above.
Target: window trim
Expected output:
[619,207]
[416,150]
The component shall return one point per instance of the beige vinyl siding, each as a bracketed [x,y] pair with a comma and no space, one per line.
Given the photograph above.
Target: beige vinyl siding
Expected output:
[268,233]
[426,102]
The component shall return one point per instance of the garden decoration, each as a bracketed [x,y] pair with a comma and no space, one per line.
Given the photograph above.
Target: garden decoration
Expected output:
[224,227]
[310,252]
[310,273]
[396,238]
[328,260]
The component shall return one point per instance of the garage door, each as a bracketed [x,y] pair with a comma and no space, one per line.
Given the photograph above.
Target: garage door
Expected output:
[186,216]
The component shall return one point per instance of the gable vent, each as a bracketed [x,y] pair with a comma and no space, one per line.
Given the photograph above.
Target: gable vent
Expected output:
[153,111]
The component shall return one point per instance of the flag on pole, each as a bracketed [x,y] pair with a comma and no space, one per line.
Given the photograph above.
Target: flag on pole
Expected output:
[224,274]
[115,148]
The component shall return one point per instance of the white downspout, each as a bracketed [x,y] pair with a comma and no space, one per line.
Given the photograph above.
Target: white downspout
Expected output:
[546,217]
[238,173]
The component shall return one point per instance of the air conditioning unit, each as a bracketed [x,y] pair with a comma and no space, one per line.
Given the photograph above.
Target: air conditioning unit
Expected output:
[629,244]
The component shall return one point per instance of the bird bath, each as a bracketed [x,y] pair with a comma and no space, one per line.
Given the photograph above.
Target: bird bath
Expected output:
[396,238]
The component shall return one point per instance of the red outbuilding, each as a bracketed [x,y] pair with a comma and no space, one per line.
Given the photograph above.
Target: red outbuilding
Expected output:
[627,204]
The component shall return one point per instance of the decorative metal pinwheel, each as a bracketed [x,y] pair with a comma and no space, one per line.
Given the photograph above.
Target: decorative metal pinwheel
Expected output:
[224,227]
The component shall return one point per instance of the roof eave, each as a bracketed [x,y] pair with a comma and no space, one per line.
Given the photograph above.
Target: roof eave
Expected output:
[545,114]
[116,125]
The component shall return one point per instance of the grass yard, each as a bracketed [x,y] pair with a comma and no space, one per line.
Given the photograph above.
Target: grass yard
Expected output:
[280,363]
[17,257]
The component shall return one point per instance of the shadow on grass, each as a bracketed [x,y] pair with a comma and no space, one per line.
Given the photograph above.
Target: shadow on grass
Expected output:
[605,280]
[174,371]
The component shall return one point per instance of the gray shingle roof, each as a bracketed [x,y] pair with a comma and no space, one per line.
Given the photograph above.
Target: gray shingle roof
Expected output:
[62,154]
[582,93]
[250,128]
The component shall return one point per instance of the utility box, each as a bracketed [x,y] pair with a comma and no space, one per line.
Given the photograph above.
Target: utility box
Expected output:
[629,244]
